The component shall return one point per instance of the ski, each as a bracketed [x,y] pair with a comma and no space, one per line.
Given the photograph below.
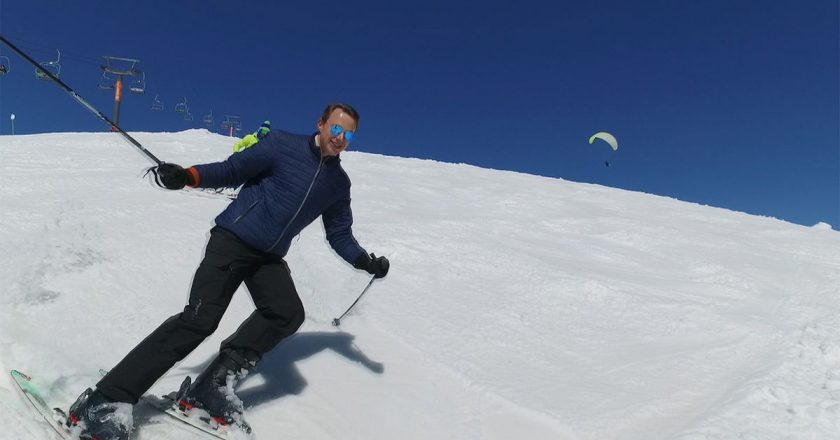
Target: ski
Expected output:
[189,418]
[197,418]
[222,193]
[192,417]
[54,417]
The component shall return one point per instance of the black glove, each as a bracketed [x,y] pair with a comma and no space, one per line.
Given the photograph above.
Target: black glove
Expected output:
[377,266]
[171,176]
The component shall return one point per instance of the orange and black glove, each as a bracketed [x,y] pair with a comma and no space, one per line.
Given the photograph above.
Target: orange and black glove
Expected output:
[173,176]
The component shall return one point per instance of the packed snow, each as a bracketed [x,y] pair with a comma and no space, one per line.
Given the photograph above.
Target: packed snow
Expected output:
[517,306]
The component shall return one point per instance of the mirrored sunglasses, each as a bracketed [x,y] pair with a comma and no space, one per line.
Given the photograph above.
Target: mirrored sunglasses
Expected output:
[336,130]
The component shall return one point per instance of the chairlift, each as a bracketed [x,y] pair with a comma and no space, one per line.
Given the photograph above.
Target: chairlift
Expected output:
[121,66]
[157,105]
[232,124]
[106,82]
[49,66]
[228,124]
[181,107]
[208,119]
[138,87]
[187,115]
[4,65]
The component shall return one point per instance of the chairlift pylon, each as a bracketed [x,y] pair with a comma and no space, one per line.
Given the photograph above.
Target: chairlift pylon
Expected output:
[157,105]
[53,67]
[121,66]
[232,124]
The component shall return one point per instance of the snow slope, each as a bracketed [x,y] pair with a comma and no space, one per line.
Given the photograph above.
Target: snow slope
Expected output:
[517,306]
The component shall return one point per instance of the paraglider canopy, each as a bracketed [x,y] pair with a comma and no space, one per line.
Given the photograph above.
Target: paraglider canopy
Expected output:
[606,137]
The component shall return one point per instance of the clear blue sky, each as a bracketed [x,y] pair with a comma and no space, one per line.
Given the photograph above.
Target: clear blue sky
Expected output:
[727,103]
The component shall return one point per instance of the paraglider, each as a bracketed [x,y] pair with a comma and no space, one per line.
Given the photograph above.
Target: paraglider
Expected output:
[606,137]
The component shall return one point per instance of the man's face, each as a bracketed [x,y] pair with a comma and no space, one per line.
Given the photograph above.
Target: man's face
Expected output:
[333,144]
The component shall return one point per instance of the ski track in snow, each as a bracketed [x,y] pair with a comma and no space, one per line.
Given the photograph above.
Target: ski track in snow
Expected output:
[517,305]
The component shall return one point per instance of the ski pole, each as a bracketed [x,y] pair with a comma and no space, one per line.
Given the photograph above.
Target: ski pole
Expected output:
[337,321]
[82,101]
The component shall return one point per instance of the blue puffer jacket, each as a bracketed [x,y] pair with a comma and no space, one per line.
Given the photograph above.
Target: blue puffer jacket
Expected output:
[287,186]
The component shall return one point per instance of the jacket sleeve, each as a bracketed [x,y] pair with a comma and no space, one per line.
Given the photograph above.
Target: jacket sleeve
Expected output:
[239,167]
[338,220]
[244,143]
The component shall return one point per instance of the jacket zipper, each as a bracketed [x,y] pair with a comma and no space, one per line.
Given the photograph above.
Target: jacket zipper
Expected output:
[306,196]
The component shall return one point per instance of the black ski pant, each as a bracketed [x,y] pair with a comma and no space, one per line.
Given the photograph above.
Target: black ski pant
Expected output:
[227,263]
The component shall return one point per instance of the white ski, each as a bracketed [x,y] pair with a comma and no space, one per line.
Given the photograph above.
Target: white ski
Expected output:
[52,416]
[196,420]
[199,419]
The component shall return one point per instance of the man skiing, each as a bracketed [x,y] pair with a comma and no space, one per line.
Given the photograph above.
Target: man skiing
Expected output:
[251,139]
[289,181]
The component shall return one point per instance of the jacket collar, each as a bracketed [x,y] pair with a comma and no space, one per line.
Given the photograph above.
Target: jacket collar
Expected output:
[317,151]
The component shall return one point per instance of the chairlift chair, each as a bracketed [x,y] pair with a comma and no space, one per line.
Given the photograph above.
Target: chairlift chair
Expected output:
[208,119]
[53,67]
[4,65]
[187,115]
[138,87]
[237,124]
[106,82]
[157,105]
[181,107]
[232,124]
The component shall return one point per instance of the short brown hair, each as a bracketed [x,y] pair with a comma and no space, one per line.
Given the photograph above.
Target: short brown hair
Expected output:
[346,108]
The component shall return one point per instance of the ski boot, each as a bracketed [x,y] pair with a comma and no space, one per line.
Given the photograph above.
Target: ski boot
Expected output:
[100,418]
[213,392]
